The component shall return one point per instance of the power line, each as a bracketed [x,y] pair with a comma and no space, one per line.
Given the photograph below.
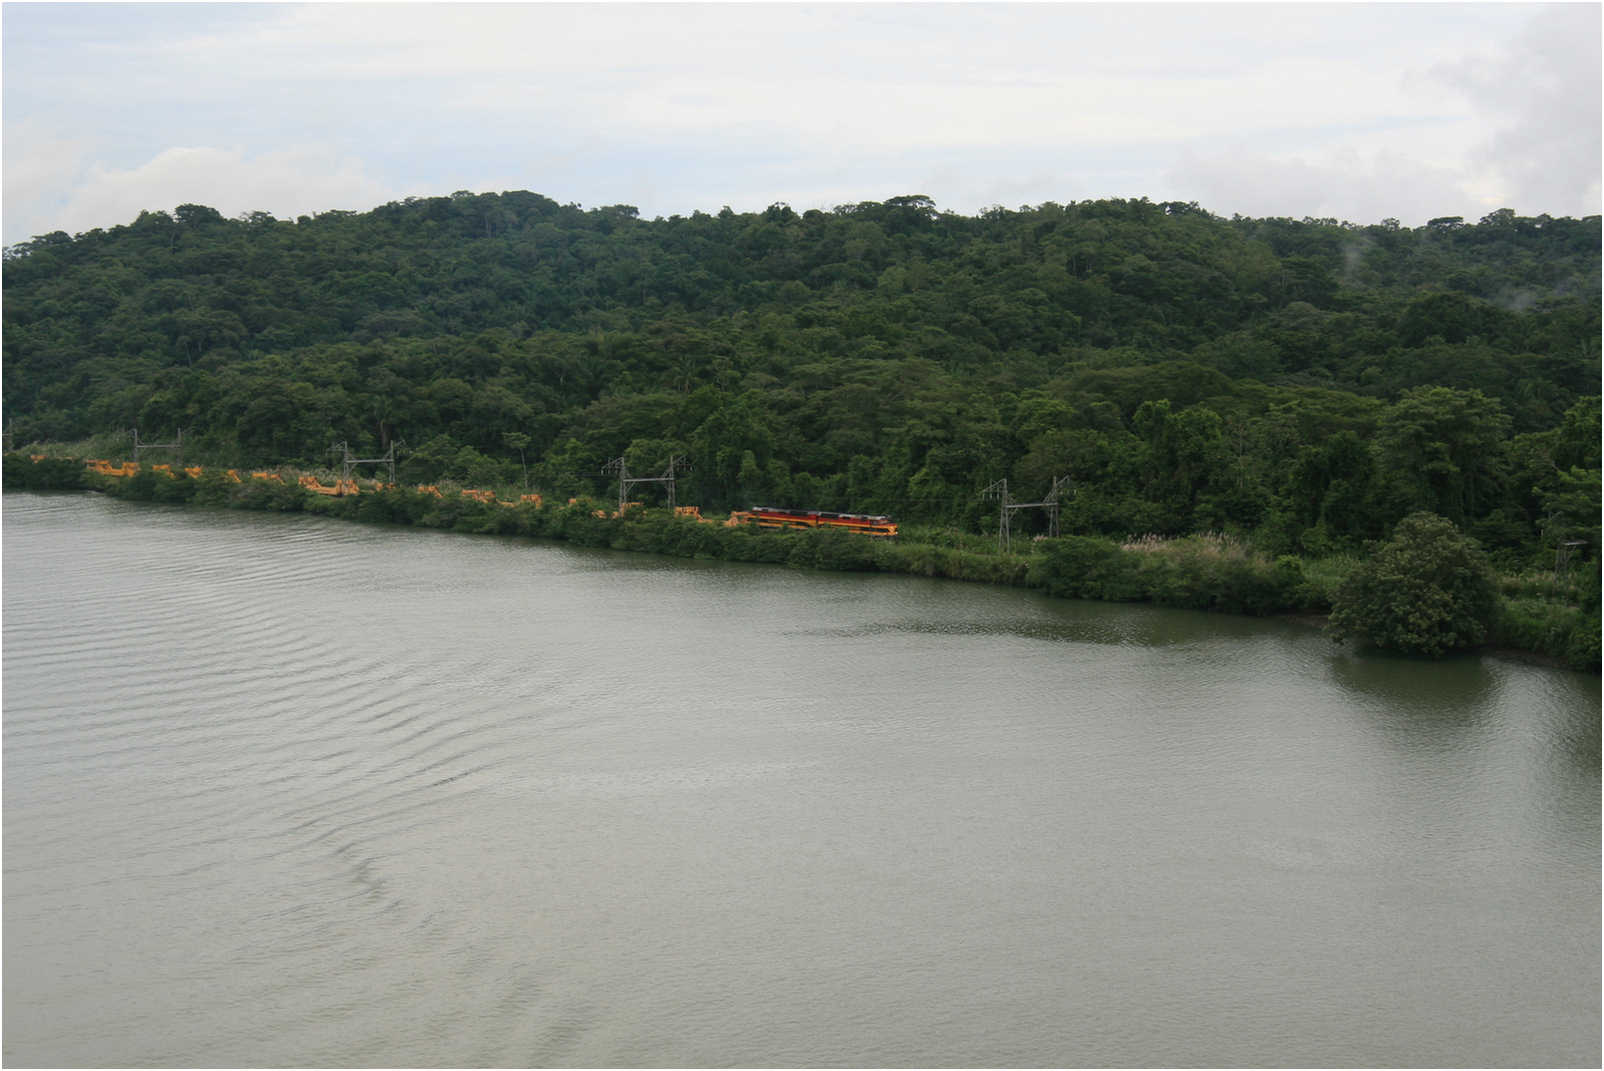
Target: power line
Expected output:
[1007,508]
[347,462]
[626,481]
[179,446]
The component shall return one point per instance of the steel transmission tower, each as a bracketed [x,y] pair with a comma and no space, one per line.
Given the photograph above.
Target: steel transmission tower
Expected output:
[626,481]
[1007,508]
[179,446]
[347,462]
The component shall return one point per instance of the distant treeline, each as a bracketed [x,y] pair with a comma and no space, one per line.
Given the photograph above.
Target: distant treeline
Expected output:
[1304,384]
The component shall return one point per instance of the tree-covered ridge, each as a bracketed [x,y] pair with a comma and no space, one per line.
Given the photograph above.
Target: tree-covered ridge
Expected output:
[1310,382]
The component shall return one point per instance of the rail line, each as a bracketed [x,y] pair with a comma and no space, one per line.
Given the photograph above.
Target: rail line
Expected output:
[763,517]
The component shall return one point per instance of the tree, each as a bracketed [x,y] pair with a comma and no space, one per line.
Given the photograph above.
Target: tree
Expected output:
[1185,457]
[1327,494]
[518,441]
[883,357]
[1428,590]
[1444,450]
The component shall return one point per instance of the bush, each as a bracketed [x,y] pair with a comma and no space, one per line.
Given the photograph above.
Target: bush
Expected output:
[269,495]
[1081,567]
[1428,590]
[47,474]
[1554,617]
[835,550]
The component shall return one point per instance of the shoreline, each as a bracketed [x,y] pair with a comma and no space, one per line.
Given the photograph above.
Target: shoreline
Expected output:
[1185,575]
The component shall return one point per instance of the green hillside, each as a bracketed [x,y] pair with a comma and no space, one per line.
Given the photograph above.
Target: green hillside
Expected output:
[1303,383]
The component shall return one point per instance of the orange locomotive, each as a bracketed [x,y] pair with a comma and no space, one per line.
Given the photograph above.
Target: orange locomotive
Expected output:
[765,517]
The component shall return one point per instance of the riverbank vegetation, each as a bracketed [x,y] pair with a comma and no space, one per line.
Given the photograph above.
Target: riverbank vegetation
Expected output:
[1234,412]
[1377,598]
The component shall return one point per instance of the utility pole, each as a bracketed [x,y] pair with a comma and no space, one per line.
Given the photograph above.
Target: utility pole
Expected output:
[617,465]
[179,446]
[626,481]
[999,491]
[1008,508]
[347,462]
[1562,557]
[1052,502]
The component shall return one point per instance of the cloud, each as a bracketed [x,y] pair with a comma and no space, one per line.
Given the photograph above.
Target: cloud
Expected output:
[1515,126]
[1346,184]
[286,183]
[1543,92]
[39,167]
[677,107]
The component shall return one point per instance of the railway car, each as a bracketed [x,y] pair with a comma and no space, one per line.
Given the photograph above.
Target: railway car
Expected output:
[875,525]
[878,526]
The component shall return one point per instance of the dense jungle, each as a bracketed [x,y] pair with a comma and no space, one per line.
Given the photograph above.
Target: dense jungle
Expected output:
[1298,386]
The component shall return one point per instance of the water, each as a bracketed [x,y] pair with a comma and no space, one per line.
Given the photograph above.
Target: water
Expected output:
[287,791]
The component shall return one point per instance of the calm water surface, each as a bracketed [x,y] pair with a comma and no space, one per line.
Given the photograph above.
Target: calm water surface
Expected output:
[287,791]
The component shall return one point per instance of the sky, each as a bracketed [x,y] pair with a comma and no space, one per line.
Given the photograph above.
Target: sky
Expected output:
[1359,112]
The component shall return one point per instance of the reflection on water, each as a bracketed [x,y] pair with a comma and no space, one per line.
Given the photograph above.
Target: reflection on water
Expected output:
[1417,703]
[1052,632]
[279,790]
[1030,617]
[1575,738]
[1416,686]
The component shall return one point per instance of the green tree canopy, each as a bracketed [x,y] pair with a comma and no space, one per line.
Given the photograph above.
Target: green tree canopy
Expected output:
[1427,590]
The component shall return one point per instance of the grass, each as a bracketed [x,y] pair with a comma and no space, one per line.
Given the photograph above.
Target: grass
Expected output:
[1532,586]
[1215,546]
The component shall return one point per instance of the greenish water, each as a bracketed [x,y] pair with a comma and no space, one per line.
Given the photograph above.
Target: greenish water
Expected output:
[288,791]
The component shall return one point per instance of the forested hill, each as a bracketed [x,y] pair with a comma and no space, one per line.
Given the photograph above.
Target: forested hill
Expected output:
[1307,382]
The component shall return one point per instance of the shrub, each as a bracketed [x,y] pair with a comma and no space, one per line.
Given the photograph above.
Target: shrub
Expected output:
[47,474]
[1428,590]
[840,551]
[1081,567]
[1557,618]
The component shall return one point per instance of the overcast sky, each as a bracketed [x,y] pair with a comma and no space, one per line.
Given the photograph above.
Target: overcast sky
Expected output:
[1354,111]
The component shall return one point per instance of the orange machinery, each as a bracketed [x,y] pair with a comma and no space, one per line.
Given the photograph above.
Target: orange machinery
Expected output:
[341,487]
[106,468]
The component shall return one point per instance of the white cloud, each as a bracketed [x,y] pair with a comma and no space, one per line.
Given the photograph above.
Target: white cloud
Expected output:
[830,81]
[667,105]
[1543,90]
[1348,184]
[38,167]
[286,183]
[1516,124]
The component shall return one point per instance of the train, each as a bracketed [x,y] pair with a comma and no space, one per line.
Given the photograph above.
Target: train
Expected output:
[877,526]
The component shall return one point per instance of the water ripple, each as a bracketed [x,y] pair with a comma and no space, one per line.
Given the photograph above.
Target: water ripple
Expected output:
[282,791]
